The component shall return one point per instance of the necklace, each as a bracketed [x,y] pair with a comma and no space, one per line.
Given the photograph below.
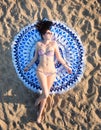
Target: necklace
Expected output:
[46,45]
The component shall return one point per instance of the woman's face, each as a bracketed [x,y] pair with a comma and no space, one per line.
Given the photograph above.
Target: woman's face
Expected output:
[47,35]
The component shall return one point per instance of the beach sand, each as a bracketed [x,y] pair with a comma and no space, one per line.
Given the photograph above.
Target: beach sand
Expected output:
[77,109]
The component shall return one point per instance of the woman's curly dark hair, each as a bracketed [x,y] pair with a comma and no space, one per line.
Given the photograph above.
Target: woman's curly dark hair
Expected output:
[43,25]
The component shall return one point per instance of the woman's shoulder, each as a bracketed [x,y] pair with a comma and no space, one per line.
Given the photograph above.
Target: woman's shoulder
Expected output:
[39,43]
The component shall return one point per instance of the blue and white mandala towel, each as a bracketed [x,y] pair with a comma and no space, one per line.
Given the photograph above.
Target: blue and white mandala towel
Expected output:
[71,49]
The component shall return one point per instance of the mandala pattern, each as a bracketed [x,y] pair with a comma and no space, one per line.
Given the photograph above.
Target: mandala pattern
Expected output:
[71,49]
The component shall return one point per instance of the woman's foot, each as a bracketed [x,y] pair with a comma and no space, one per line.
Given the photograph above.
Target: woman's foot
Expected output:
[39,118]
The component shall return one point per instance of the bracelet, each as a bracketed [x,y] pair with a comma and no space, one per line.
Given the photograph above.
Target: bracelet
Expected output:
[64,64]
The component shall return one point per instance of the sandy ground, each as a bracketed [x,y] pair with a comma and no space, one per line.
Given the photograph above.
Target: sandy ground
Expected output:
[77,109]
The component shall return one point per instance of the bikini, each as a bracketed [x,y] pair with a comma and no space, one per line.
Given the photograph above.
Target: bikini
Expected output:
[41,52]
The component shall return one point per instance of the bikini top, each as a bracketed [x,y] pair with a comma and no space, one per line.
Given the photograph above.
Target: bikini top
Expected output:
[41,52]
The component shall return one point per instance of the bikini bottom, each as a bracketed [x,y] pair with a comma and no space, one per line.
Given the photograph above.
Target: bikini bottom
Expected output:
[47,73]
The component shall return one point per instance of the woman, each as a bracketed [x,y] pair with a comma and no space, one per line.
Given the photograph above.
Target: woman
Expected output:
[46,71]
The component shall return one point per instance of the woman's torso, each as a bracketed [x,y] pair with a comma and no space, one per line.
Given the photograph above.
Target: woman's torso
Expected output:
[46,55]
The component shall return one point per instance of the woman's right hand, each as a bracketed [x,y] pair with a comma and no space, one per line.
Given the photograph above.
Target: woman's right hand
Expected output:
[26,69]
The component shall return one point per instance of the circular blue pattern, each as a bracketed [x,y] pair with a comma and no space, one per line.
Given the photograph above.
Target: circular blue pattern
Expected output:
[71,49]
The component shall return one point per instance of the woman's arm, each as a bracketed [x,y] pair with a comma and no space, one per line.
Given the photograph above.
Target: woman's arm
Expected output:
[33,60]
[60,59]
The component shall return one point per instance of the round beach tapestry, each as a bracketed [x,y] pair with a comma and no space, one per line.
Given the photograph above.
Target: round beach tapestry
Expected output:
[71,49]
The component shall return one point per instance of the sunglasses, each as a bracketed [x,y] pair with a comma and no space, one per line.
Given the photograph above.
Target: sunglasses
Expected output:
[49,33]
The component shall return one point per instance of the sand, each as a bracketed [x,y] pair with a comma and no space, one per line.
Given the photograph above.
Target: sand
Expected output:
[77,109]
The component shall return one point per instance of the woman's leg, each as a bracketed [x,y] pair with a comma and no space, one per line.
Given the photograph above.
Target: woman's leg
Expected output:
[43,82]
[46,83]
[45,92]
[50,80]
[42,105]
